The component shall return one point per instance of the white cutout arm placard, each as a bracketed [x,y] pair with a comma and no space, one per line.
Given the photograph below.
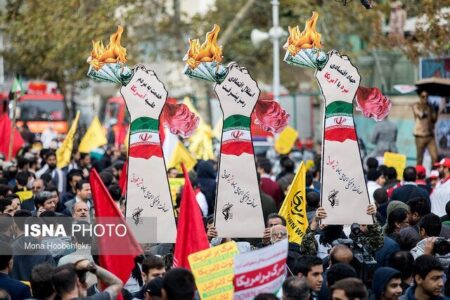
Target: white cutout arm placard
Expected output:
[238,205]
[148,193]
[344,193]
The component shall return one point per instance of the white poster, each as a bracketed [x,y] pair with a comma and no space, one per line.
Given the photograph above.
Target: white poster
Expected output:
[260,271]
[148,193]
[344,193]
[238,205]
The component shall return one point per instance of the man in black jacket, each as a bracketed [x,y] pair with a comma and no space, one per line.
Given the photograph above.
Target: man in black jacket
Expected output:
[409,188]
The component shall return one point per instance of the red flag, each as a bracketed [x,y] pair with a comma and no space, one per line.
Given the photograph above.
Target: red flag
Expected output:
[191,235]
[5,135]
[124,178]
[121,265]
[120,133]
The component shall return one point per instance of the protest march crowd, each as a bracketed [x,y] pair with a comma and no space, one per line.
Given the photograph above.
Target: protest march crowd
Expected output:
[405,254]
[285,242]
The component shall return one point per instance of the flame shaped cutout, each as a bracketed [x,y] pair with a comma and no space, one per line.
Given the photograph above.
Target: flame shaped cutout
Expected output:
[307,39]
[112,53]
[207,52]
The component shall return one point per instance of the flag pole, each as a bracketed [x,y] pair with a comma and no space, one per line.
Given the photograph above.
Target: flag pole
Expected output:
[13,127]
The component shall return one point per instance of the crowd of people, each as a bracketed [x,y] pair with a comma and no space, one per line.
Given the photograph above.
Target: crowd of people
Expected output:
[405,254]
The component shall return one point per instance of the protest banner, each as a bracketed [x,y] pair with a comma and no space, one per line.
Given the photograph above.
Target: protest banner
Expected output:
[238,207]
[343,184]
[238,200]
[213,271]
[293,208]
[260,271]
[148,193]
[397,161]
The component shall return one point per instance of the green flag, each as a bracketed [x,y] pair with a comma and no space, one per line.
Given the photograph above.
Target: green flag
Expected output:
[17,86]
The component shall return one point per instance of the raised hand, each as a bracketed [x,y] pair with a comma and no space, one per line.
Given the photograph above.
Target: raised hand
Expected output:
[339,79]
[238,93]
[144,95]
[343,184]
[148,194]
[238,205]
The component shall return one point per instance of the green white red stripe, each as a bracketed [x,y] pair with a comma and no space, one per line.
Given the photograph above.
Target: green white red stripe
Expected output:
[144,138]
[236,136]
[339,125]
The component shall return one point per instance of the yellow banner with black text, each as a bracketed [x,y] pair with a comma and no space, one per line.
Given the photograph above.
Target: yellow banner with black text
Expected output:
[293,208]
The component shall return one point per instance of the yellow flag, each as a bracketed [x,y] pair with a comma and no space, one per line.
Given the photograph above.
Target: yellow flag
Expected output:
[286,140]
[201,145]
[65,151]
[95,137]
[182,155]
[294,207]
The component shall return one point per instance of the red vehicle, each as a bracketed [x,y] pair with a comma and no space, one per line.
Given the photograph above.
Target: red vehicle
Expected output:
[39,108]
[117,119]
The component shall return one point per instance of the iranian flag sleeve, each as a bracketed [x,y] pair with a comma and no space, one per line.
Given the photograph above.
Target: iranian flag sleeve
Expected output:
[339,125]
[238,209]
[149,202]
[144,138]
[236,137]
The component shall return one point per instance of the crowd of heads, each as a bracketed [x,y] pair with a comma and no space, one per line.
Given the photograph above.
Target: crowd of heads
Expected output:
[406,244]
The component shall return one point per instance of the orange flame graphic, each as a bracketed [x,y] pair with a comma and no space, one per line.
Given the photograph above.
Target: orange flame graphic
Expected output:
[307,39]
[112,53]
[207,52]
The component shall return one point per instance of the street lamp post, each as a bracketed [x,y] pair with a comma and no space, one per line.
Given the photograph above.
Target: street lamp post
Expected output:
[274,34]
[275,37]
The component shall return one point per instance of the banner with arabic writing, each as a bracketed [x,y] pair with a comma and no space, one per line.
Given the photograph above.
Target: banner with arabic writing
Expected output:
[148,193]
[213,271]
[238,205]
[260,271]
[344,187]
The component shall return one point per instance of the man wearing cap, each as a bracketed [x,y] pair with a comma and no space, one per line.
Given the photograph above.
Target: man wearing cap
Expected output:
[434,179]
[420,181]
[441,194]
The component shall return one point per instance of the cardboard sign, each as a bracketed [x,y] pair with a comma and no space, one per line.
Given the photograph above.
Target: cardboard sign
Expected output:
[397,161]
[344,187]
[286,140]
[238,205]
[260,271]
[148,193]
[213,271]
